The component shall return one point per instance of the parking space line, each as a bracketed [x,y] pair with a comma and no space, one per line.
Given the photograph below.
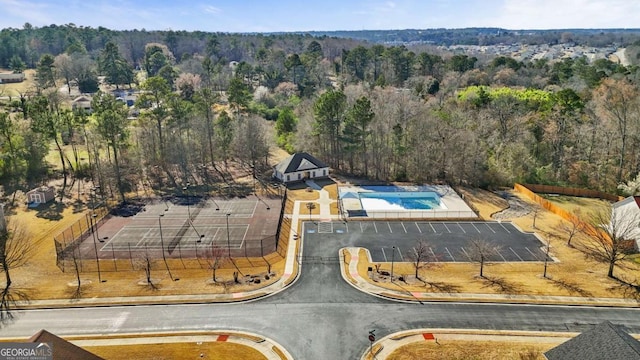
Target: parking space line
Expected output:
[490,228]
[432,228]
[503,259]
[474,225]
[389,225]
[461,228]
[400,253]
[465,252]
[513,251]
[446,227]
[434,254]
[405,229]
[449,252]
[346,225]
[507,230]
[375,227]
[532,254]
[383,254]
[361,229]
[415,222]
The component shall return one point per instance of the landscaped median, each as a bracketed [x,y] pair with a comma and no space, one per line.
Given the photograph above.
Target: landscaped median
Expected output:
[358,270]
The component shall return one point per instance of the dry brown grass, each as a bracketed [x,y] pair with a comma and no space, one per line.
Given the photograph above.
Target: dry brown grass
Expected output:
[585,206]
[468,350]
[186,350]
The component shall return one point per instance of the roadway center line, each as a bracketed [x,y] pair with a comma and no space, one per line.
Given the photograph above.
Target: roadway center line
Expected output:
[383,254]
[446,227]
[449,252]
[513,251]
[405,229]
[507,230]
[490,228]
[415,222]
[461,228]
[389,225]
[375,227]
[474,225]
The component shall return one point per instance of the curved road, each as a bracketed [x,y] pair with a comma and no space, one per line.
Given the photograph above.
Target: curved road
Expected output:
[318,317]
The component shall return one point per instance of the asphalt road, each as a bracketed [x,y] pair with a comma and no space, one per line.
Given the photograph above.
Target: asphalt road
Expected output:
[318,317]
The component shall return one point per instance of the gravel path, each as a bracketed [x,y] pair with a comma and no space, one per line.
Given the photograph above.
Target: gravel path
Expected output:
[517,208]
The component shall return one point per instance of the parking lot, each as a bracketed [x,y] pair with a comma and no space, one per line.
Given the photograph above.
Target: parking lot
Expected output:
[447,241]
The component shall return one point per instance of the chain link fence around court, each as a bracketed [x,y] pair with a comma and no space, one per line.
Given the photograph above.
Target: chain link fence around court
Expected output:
[255,253]
[70,239]
[181,245]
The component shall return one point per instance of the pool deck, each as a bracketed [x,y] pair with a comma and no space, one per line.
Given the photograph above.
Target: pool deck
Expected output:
[453,205]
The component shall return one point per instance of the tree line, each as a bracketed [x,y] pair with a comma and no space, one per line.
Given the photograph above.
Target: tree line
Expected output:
[382,112]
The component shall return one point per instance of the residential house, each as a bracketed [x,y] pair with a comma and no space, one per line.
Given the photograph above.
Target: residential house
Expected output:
[604,341]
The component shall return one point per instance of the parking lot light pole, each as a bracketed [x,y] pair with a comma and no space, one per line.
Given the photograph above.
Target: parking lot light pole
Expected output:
[228,236]
[393,256]
[164,258]
[186,190]
[95,248]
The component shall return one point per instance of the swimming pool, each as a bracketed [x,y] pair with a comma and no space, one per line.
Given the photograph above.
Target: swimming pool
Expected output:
[403,200]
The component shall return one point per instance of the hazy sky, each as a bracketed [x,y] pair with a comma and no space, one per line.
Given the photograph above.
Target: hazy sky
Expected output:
[301,15]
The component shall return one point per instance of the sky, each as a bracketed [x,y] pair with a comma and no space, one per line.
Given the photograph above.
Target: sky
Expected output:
[325,15]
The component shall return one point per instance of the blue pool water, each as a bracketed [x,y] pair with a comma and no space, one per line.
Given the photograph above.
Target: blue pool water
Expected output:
[407,200]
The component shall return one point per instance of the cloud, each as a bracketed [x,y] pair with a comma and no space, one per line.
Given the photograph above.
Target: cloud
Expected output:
[211,9]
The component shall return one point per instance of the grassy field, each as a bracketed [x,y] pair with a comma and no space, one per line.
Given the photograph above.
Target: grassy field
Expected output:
[580,205]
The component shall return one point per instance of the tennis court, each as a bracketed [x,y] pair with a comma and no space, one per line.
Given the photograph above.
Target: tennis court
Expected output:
[184,227]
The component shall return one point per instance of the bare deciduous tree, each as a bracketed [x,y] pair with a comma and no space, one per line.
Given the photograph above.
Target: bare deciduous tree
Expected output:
[215,256]
[420,256]
[481,251]
[144,262]
[572,227]
[610,235]
[15,250]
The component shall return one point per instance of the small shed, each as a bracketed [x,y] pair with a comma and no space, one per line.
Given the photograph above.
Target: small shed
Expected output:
[41,195]
[300,167]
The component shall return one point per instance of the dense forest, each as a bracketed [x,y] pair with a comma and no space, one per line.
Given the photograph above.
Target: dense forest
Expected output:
[208,105]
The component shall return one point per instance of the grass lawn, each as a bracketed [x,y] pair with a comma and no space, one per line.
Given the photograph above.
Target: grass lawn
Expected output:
[584,206]
[14,89]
